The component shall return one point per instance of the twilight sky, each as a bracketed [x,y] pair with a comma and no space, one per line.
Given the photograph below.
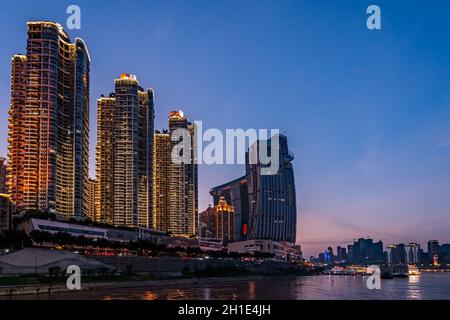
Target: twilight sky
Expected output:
[367,113]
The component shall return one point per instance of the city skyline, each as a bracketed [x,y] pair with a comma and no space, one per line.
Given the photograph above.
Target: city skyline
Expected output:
[375,188]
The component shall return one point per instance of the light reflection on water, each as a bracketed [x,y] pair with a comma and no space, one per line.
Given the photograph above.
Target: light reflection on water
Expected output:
[426,286]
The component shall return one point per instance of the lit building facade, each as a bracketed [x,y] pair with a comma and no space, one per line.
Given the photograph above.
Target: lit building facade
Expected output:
[92,202]
[49,121]
[105,158]
[225,221]
[182,219]
[16,132]
[161,167]
[133,153]
[218,222]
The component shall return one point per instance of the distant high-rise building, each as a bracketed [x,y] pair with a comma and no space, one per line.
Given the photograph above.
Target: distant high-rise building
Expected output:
[366,251]
[3,173]
[444,253]
[126,155]
[390,254]
[49,123]
[93,205]
[161,167]
[105,158]
[433,251]
[350,253]
[396,254]
[182,219]
[341,254]
[412,253]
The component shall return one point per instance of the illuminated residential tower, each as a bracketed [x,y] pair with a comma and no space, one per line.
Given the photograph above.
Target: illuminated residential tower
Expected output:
[125,154]
[92,201]
[105,158]
[175,184]
[49,123]
[182,218]
[16,134]
[161,166]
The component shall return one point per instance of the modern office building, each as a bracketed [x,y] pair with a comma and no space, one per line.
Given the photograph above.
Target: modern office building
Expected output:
[433,251]
[365,251]
[341,254]
[413,253]
[182,218]
[49,123]
[236,194]
[444,253]
[105,158]
[266,205]
[6,210]
[161,167]
[3,174]
[396,254]
[272,198]
[125,157]
[350,249]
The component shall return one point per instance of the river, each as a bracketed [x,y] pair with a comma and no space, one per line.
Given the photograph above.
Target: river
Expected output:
[427,286]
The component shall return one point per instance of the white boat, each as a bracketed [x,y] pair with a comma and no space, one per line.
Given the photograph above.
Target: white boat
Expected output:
[413,270]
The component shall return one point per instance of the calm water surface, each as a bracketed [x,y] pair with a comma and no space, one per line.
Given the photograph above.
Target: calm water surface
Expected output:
[427,286]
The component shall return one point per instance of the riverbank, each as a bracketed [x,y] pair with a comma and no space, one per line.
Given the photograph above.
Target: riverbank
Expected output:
[58,287]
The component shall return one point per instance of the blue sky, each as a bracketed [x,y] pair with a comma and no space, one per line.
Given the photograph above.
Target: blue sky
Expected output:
[367,113]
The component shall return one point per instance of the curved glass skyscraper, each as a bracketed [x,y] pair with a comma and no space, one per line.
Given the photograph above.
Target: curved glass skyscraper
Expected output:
[266,205]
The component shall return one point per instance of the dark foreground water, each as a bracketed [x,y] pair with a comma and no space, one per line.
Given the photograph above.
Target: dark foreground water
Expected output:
[427,286]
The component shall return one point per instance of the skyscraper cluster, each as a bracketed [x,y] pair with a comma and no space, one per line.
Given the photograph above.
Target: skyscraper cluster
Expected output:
[49,143]
[138,183]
